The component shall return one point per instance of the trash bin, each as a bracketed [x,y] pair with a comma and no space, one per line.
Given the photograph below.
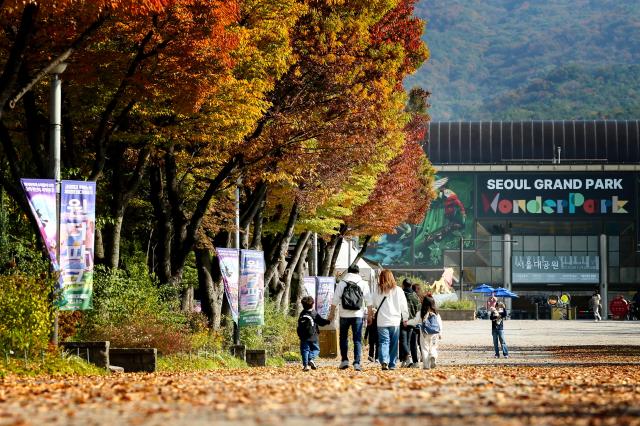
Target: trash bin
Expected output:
[328,340]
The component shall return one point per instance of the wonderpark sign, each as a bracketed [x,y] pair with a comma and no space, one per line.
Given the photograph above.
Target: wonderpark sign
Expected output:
[570,195]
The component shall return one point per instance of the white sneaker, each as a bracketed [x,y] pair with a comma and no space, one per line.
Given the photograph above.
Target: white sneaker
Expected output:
[344,365]
[305,368]
[357,367]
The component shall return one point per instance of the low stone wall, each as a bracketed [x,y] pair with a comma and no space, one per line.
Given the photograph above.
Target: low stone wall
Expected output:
[256,357]
[96,353]
[457,314]
[134,360]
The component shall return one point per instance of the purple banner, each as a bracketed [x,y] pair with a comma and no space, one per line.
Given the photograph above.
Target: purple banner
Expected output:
[41,194]
[251,288]
[77,230]
[229,262]
[325,289]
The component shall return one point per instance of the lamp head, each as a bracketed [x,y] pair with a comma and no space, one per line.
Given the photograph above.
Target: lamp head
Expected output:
[59,69]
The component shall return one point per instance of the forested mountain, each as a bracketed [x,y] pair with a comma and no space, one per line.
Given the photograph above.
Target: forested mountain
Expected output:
[515,59]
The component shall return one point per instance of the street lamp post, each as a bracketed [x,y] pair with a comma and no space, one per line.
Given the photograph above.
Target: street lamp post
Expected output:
[55,124]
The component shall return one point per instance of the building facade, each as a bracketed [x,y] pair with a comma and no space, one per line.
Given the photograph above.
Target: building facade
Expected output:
[545,208]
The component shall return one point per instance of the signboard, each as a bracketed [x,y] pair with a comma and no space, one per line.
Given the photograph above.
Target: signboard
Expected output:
[555,269]
[41,195]
[450,216]
[229,261]
[324,291]
[566,195]
[77,230]
[251,288]
[310,286]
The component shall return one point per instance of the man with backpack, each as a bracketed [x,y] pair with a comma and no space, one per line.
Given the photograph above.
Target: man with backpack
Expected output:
[354,299]
[308,323]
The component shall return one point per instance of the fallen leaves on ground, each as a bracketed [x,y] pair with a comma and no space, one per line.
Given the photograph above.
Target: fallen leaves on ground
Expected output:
[576,395]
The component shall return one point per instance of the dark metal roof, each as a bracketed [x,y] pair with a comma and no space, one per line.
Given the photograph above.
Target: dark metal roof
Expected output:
[522,142]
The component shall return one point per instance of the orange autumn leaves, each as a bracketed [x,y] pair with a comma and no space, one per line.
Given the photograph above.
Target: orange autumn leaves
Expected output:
[504,395]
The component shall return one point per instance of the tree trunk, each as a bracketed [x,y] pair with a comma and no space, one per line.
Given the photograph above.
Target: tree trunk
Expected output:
[256,243]
[116,232]
[327,256]
[282,246]
[99,247]
[334,257]
[211,286]
[283,303]
[301,272]
[363,250]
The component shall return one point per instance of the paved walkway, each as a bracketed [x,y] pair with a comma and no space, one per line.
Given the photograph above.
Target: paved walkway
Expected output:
[542,343]
[544,333]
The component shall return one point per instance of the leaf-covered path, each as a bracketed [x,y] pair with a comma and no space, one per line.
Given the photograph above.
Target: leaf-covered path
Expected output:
[492,394]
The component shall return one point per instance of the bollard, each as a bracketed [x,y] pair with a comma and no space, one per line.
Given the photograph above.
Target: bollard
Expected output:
[537,317]
[87,355]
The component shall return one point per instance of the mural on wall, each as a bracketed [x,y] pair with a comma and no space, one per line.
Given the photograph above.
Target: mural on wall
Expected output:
[450,216]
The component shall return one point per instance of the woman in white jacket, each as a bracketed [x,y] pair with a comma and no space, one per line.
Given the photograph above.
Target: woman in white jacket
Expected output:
[430,331]
[391,309]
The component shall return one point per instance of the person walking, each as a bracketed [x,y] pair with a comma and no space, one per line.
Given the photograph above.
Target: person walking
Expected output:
[595,306]
[430,324]
[353,298]
[408,333]
[308,331]
[497,316]
[391,311]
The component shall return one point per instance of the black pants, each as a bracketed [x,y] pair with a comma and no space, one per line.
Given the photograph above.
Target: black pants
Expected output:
[408,343]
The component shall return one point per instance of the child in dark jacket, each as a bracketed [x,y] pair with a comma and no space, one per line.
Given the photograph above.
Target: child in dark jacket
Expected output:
[308,323]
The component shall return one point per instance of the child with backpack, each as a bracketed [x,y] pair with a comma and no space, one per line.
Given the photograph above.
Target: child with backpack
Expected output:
[430,324]
[308,323]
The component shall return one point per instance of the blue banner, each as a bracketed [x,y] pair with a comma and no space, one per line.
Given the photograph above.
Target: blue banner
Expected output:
[251,288]
[77,230]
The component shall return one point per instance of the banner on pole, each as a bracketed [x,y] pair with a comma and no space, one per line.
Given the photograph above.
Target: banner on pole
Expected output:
[310,286]
[41,194]
[229,261]
[324,291]
[251,288]
[77,230]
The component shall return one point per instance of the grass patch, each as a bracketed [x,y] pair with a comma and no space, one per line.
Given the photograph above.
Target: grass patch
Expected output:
[53,364]
[276,361]
[185,363]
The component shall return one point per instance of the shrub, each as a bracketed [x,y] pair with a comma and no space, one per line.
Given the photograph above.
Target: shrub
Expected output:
[277,336]
[459,305]
[131,310]
[25,314]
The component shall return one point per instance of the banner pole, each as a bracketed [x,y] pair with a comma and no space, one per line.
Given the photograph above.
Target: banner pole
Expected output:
[236,324]
[55,120]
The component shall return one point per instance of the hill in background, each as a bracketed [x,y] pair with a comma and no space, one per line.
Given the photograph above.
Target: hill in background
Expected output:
[543,59]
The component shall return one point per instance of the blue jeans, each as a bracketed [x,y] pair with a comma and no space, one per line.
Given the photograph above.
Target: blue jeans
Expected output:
[309,350]
[356,329]
[388,345]
[499,335]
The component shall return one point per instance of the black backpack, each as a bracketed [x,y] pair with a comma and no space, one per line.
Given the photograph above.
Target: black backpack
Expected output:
[352,297]
[306,326]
